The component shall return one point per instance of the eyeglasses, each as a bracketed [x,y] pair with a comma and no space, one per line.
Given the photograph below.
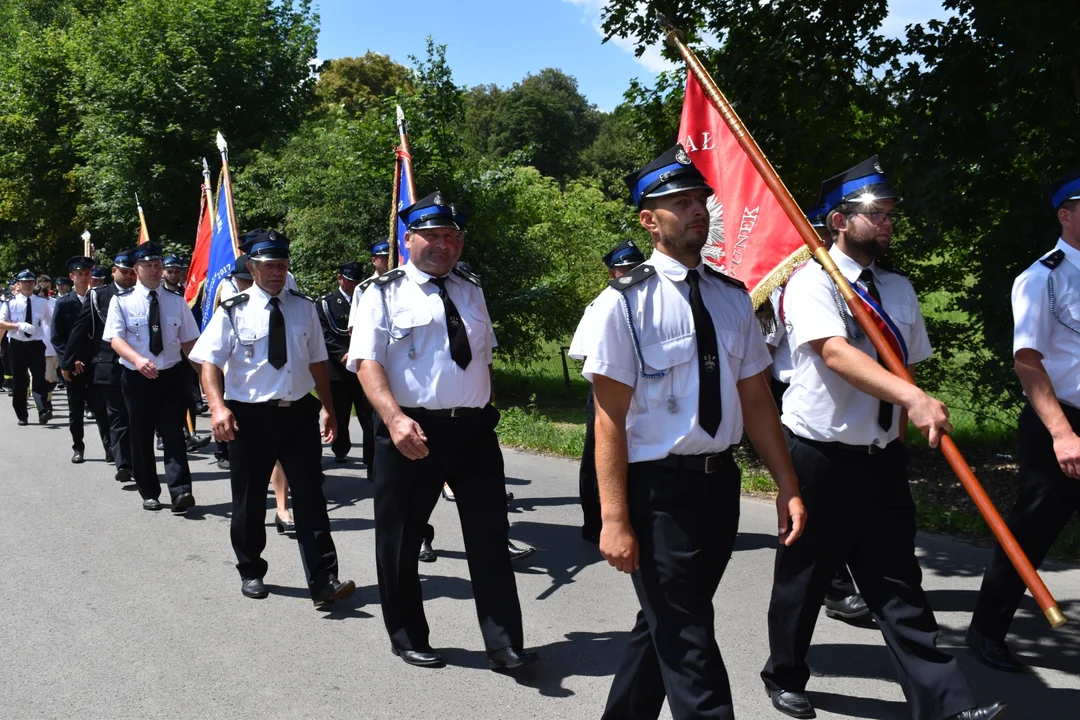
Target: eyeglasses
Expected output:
[877,218]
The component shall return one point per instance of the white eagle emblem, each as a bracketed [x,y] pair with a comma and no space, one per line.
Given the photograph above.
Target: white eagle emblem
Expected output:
[438,199]
[681,157]
[713,252]
[624,280]
[710,363]
[877,167]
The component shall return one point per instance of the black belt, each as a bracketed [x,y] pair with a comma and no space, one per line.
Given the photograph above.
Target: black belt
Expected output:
[842,447]
[707,464]
[458,412]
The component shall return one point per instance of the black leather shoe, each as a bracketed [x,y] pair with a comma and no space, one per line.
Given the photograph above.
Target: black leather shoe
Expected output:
[77,457]
[851,607]
[197,441]
[151,504]
[420,658]
[223,464]
[123,475]
[253,588]
[509,496]
[517,553]
[24,421]
[992,653]
[182,502]
[792,704]
[284,527]
[109,457]
[990,712]
[44,417]
[427,553]
[333,592]
[341,459]
[509,658]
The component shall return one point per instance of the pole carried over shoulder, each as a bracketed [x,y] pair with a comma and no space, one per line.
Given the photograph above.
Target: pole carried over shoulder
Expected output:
[948,448]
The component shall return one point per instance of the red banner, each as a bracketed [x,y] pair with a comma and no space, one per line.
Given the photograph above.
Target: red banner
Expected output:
[200,258]
[750,235]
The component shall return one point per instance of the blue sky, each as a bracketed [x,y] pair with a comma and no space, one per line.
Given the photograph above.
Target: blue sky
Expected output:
[500,41]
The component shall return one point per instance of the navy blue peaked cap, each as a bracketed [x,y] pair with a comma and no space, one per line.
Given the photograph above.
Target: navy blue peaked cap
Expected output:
[146,251]
[430,212]
[1065,189]
[351,271]
[263,244]
[670,173]
[625,253]
[79,262]
[866,182]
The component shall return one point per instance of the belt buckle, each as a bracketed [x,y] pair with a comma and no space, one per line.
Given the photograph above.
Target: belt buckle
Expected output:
[284,403]
[709,469]
[455,412]
[872,449]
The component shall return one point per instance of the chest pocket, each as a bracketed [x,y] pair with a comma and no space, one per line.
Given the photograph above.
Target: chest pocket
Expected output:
[675,359]
[479,332]
[405,320]
[905,317]
[252,326]
[137,325]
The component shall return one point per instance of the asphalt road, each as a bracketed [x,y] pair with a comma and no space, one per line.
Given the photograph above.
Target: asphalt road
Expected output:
[109,611]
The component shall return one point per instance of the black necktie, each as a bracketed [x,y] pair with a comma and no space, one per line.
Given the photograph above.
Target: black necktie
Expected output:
[156,345]
[708,358]
[885,409]
[29,311]
[455,328]
[279,352]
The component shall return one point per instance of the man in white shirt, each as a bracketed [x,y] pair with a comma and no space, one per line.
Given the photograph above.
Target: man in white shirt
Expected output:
[261,354]
[23,319]
[1046,357]
[151,329]
[845,415]
[679,370]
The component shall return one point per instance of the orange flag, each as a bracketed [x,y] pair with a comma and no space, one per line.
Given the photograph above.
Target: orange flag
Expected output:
[200,258]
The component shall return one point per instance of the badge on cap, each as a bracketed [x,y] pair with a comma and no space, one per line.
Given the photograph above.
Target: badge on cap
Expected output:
[681,157]
[438,199]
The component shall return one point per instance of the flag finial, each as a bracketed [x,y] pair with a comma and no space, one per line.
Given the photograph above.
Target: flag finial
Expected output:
[221,144]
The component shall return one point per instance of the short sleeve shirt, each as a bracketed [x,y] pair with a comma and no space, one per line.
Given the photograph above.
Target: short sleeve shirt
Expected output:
[129,319]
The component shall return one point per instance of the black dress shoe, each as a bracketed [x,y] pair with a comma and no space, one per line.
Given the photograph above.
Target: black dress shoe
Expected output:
[509,496]
[509,658]
[151,504]
[990,712]
[253,588]
[427,553]
[223,464]
[850,607]
[24,421]
[420,658]
[333,592]
[517,553]
[44,417]
[793,704]
[341,459]
[197,441]
[77,457]
[182,502]
[992,653]
[123,475]
[284,527]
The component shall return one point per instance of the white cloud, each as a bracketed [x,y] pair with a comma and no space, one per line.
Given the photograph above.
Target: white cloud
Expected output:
[652,59]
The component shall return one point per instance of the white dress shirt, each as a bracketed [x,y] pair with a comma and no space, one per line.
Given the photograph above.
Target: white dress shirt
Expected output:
[411,342]
[129,319]
[777,340]
[1037,328]
[46,329]
[14,310]
[241,348]
[663,415]
[819,404]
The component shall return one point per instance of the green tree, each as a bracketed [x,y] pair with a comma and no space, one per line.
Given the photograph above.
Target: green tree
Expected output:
[547,118]
[355,83]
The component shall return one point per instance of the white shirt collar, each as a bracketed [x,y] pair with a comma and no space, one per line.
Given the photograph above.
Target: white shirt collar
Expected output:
[418,276]
[1071,253]
[348,298]
[669,266]
[145,291]
[258,295]
[850,269]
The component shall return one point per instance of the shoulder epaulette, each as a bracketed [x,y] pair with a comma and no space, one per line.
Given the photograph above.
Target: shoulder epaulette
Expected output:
[301,295]
[387,278]
[1053,259]
[175,292]
[234,301]
[734,282]
[464,270]
[632,278]
[365,285]
[124,291]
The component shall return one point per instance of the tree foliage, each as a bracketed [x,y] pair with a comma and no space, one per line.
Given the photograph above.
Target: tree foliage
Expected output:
[356,83]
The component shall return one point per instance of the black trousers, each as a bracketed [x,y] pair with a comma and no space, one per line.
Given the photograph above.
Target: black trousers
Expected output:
[159,403]
[113,408]
[861,512]
[685,522]
[28,361]
[588,484]
[349,395]
[289,435]
[463,452]
[78,391]
[96,401]
[1046,500]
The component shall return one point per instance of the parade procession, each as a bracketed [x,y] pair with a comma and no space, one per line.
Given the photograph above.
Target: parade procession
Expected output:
[741,525]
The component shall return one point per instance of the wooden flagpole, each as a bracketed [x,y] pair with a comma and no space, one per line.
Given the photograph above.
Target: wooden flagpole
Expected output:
[948,448]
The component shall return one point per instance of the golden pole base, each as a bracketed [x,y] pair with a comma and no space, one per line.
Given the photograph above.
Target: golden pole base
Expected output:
[1054,615]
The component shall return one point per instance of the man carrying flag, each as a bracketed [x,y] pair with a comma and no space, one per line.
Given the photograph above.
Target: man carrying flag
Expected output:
[844,416]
